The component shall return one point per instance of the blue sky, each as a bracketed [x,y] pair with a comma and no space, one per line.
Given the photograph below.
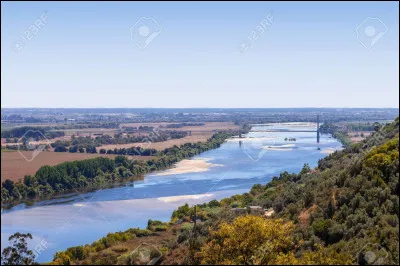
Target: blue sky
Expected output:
[82,54]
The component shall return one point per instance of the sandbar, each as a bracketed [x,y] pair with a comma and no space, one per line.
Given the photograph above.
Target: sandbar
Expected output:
[189,166]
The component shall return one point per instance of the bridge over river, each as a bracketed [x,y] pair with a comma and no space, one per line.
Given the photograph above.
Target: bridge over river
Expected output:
[283,130]
[316,130]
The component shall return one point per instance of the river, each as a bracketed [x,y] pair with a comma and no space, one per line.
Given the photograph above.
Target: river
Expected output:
[233,168]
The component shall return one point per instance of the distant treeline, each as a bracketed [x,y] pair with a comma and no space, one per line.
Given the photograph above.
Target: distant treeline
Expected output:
[135,151]
[336,131]
[98,172]
[138,129]
[340,130]
[84,125]
[88,144]
[49,132]
[158,136]
[36,133]
[180,125]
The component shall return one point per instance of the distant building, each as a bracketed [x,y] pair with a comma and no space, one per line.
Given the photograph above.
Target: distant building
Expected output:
[70,120]
[253,210]
[239,210]
[256,210]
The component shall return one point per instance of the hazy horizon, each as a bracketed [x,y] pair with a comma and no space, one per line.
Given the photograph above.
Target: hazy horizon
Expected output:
[200,55]
[306,107]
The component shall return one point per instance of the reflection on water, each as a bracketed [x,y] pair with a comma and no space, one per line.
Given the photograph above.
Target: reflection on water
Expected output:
[84,218]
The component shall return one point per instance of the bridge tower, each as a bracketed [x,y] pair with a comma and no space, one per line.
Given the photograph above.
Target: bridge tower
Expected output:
[317,128]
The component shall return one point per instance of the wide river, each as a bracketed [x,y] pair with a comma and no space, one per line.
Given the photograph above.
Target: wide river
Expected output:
[231,169]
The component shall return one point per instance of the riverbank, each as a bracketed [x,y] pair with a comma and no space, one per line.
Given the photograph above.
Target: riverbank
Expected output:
[98,172]
[336,132]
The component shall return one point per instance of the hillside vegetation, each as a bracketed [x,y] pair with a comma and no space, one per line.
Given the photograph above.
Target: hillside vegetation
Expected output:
[346,210]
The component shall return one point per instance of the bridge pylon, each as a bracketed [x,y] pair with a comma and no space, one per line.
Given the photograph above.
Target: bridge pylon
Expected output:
[317,128]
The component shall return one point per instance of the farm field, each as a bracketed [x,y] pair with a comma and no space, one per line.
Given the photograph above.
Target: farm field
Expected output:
[39,142]
[88,131]
[208,126]
[198,134]
[195,137]
[14,166]
[356,136]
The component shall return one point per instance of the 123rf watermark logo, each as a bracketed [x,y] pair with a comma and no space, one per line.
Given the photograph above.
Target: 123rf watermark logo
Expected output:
[31,144]
[145,31]
[255,148]
[372,254]
[40,247]
[144,254]
[31,32]
[257,32]
[370,31]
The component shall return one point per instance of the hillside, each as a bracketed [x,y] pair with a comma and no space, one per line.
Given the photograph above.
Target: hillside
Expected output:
[344,211]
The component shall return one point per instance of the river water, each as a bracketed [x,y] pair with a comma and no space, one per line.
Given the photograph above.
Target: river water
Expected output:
[235,167]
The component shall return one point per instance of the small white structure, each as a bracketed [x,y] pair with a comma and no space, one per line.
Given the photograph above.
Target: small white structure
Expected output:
[269,212]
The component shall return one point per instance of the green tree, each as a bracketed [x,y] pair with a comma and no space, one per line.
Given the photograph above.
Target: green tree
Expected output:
[306,169]
[248,240]
[18,253]
[377,126]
